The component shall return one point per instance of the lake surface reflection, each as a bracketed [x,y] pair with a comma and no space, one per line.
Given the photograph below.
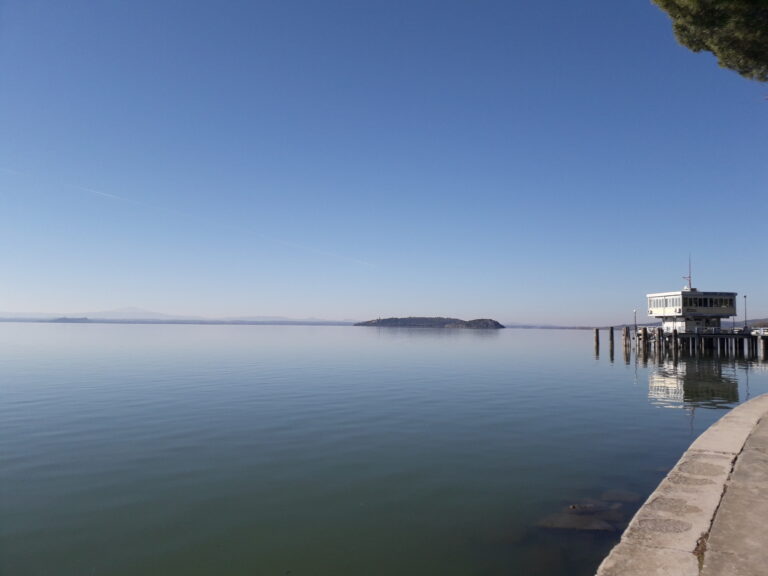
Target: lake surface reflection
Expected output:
[334,450]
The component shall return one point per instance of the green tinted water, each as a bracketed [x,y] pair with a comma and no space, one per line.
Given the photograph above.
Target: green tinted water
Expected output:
[131,449]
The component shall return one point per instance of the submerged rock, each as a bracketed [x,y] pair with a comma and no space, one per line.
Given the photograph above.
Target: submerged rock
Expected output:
[620,496]
[591,506]
[588,514]
[569,521]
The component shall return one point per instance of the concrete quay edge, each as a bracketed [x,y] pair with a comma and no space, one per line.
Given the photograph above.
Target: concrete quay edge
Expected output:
[670,534]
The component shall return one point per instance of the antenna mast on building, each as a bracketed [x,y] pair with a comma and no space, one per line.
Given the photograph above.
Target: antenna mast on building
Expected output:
[690,282]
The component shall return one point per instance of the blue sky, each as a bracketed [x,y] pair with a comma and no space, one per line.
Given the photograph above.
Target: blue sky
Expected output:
[526,161]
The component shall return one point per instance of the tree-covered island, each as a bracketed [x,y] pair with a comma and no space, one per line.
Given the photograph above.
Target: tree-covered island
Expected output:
[434,322]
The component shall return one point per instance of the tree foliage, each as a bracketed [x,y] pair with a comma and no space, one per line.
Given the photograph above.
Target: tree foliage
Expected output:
[735,31]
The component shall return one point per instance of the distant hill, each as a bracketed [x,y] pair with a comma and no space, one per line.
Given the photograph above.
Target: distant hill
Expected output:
[127,313]
[132,315]
[434,322]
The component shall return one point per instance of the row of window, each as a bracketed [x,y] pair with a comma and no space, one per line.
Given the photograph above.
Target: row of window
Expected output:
[691,302]
[668,302]
[697,302]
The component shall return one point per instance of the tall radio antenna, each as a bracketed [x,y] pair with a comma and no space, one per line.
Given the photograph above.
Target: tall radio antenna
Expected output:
[690,282]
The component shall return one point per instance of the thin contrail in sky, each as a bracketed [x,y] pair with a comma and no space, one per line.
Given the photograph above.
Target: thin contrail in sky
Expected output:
[100,193]
[178,212]
[289,244]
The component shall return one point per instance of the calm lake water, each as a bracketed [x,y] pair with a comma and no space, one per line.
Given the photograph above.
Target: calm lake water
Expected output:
[276,450]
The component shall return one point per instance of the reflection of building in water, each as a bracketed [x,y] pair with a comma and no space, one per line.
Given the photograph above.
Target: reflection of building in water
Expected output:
[693,382]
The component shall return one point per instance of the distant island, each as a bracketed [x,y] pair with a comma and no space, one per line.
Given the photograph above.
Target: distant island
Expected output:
[434,322]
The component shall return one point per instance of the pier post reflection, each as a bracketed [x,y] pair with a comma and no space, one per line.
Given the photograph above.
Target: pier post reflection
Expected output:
[692,382]
[690,370]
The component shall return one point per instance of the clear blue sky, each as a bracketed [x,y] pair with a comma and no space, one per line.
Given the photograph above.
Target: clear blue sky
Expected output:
[526,161]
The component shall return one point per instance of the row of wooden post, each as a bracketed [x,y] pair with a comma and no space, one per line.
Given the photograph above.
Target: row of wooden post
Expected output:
[739,345]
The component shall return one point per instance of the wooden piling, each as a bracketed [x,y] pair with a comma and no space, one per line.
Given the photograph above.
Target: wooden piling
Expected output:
[660,341]
[597,341]
[675,343]
[720,344]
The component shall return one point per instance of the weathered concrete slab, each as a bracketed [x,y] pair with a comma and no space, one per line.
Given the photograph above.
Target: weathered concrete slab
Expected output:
[713,491]
[740,529]
[626,559]
[718,563]
[729,433]
[751,471]
[725,435]
[681,509]
[758,440]
[738,539]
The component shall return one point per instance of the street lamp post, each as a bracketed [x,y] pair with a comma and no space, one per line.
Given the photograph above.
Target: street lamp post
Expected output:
[745,312]
[635,312]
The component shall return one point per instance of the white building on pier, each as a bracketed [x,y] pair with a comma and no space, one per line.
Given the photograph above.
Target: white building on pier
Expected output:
[690,310]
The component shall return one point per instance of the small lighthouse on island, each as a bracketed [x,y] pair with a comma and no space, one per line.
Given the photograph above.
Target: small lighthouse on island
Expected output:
[691,310]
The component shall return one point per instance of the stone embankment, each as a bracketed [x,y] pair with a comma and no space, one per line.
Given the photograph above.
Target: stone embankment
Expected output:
[709,516]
